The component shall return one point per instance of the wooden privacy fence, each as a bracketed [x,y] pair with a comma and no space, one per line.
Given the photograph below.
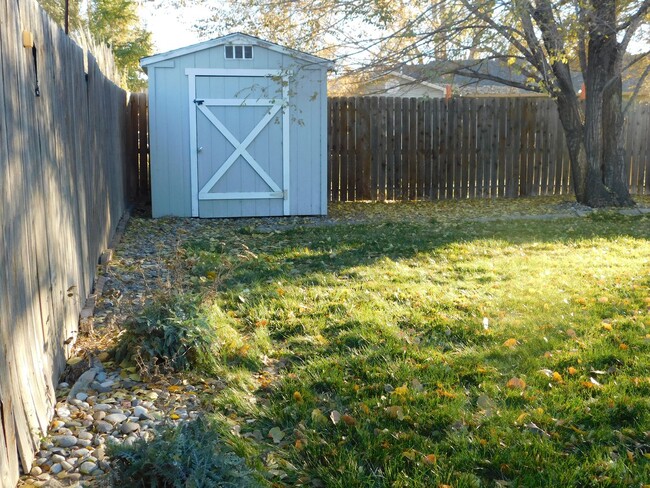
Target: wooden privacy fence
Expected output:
[138,144]
[66,177]
[383,148]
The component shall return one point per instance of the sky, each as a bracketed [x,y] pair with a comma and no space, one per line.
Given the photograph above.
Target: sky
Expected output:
[171,28]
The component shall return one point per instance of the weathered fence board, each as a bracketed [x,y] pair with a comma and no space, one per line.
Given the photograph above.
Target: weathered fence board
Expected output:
[68,167]
[384,148]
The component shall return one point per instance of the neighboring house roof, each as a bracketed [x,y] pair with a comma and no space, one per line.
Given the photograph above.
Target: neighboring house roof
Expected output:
[409,80]
[443,72]
[236,37]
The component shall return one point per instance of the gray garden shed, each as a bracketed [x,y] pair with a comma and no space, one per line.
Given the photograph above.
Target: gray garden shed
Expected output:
[238,128]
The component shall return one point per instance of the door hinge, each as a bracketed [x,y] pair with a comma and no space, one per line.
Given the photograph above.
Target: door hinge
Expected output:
[198,102]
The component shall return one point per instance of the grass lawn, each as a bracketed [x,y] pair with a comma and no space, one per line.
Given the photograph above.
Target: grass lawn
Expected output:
[430,352]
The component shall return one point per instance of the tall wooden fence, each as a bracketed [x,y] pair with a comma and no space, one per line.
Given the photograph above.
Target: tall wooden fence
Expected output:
[66,176]
[383,148]
[138,144]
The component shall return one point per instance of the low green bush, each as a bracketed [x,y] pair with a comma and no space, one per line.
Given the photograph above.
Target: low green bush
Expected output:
[190,455]
[172,332]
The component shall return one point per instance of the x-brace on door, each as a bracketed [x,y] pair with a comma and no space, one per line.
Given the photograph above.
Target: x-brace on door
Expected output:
[236,119]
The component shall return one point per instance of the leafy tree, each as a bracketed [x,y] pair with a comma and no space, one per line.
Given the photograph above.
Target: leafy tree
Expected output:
[547,42]
[116,23]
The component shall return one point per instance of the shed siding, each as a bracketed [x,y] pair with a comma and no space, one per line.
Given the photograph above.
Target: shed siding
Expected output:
[170,137]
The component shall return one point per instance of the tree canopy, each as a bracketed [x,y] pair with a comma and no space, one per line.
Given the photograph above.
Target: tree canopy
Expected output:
[116,23]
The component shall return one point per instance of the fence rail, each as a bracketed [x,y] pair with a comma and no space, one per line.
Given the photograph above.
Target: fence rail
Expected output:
[383,148]
[66,176]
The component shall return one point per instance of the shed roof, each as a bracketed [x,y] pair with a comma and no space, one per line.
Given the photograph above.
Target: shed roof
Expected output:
[235,37]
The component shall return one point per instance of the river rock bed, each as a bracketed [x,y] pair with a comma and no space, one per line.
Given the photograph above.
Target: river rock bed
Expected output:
[113,409]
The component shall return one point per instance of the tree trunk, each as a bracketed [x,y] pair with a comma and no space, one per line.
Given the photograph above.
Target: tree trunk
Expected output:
[603,128]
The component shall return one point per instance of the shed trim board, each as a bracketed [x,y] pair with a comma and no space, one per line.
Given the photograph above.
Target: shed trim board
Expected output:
[197,106]
[233,38]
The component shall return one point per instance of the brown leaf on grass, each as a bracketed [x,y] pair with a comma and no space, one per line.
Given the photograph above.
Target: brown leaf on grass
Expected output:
[512,342]
[516,384]
[348,419]
[297,396]
[572,371]
[557,377]
[429,459]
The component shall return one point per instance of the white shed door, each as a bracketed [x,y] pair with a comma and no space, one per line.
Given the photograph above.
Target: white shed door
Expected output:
[239,140]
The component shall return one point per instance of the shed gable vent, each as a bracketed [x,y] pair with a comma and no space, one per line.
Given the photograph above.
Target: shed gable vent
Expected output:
[238,52]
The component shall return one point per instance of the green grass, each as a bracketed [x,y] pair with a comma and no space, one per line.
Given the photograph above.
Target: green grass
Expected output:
[384,324]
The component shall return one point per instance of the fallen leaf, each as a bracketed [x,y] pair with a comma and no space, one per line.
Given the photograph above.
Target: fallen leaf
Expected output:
[557,377]
[174,416]
[410,454]
[262,323]
[623,347]
[516,384]
[335,416]
[416,385]
[572,370]
[429,459]
[630,456]
[364,408]
[297,397]
[276,434]
[603,300]
[401,390]
[607,326]
[571,332]
[546,372]
[594,382]
[299,445]
[317,416]
[396,412]
[348,419]
[512,342]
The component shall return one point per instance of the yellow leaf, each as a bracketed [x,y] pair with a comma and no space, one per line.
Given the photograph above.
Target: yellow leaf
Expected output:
[364,408]
[297,397]
[299,445]
[401,390]
[211,275]
[603,300]
[630,456]
[557,377]
[445,394]
[174,416]
[516,384]
[174,388]
[317,416]
[607,326]
[623,347]
[410,454]
[511,342]
[262,323]
[521,418]
[572,370]
[429,459]
[244,349]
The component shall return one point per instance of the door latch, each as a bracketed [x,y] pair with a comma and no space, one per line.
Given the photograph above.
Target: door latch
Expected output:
[198,102]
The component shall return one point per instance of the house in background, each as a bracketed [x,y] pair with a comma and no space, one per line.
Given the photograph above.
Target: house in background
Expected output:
[392,84]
